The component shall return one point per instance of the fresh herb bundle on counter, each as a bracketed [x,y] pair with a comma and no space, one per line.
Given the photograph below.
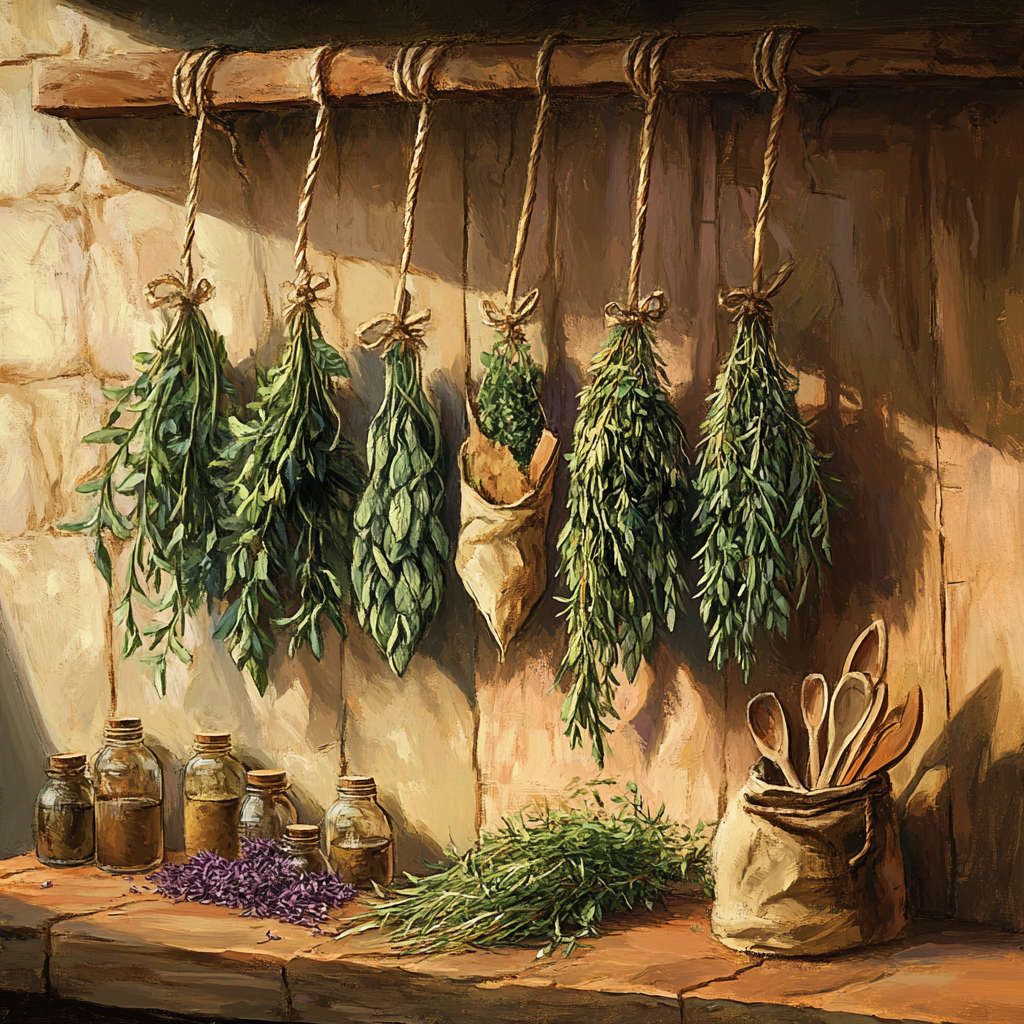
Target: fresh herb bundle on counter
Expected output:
[548,874]
[623,546]
[163,464]
[296,484]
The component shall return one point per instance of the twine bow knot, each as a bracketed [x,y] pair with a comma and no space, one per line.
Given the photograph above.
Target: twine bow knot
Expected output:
[389,329]
[649,310]
[513,316]
[303,293]
[178,293]
[755,302]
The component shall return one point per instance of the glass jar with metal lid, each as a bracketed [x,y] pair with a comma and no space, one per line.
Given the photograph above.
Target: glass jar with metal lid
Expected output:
[357,835]
[302,849]
[64,813]
[214,787]
[129,786]
[266,811]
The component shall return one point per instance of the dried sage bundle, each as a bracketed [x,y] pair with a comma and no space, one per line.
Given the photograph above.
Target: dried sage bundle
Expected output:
[401,544]
[296,485]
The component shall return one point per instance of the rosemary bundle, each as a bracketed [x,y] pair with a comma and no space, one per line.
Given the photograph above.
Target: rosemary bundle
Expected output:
[762,505]
[623,545]
[401,544]
[549,874]
[163,462]
[292,501]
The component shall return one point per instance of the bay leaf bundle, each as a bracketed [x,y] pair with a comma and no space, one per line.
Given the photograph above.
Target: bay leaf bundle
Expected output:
[624,545]
[163,466]
[295,485]
[762,504]
[401,544]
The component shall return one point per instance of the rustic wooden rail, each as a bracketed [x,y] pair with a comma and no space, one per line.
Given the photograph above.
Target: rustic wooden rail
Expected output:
[140,83]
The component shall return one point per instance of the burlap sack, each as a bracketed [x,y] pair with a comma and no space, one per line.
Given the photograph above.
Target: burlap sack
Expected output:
[807,873]
[502,554]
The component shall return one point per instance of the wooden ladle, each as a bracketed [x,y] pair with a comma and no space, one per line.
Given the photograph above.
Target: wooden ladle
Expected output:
[864,740]
[893,746]
[767,722]
[850,706]
[814,708]
[869,652]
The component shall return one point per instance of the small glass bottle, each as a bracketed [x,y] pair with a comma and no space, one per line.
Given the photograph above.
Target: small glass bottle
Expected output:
[64,814]
[302,849]
[129,801]
[358,838]
[266,811]
[214,787]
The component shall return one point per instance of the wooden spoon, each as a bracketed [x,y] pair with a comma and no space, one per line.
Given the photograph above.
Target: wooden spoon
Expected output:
[869,652]
[767,723]
[850,705]
[865,735]
[814,708]
[893,746]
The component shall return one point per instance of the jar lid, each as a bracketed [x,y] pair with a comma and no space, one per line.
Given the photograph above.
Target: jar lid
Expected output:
[123,729]
[213,740]
[268,778]
[357,785]
[69,762]
[302,833]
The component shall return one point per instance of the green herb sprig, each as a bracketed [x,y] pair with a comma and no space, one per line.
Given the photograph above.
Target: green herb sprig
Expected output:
[548,874]
[292,496]
[401,544]
[163,462]
[624,544]
[763,506]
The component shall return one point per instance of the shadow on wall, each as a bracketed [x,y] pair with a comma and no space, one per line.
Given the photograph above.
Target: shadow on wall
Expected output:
[23,750]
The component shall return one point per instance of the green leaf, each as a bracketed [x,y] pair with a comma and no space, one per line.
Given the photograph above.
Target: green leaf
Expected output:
[329,359]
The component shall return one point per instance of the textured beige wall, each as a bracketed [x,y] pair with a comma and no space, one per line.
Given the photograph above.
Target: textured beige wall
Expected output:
[905,319]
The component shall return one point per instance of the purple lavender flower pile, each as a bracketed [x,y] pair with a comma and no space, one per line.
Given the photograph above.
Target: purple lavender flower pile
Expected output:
[262,883]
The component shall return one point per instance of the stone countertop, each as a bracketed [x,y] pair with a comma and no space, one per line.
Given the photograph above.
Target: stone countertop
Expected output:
[87,935]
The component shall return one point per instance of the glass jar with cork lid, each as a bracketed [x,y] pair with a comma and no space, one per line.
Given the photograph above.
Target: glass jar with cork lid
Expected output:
[358,838]
[64,813]
[302,849]
[266,811]
[129,786]
[214,788]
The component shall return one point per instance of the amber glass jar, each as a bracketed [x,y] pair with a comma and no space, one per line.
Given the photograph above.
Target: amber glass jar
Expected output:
[129,800]
[64,815]
[358,838]
[214,787]
[302,848]
[266,811]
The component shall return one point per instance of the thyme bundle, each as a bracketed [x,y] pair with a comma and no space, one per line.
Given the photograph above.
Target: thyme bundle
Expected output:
[763,507]
[297,478]
[163,461]
[551,874]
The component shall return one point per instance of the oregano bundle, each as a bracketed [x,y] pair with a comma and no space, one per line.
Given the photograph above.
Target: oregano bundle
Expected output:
[292,498]
[163,464]
[623,547]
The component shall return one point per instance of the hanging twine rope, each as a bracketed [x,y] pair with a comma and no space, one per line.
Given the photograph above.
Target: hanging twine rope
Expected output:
[306,285]
[413,72]
[191,90]
[642,61]
[515,314]
[771,58]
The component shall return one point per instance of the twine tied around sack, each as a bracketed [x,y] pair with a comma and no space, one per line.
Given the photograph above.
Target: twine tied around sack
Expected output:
[413,72]
[771,58]
[642,60]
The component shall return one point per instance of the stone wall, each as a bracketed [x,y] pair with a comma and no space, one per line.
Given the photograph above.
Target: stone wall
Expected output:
[905,319]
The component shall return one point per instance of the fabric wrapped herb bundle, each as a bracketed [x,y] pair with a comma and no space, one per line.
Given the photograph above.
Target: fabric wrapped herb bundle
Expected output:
[548,875]
[623,546]
[292,500]
[401,545]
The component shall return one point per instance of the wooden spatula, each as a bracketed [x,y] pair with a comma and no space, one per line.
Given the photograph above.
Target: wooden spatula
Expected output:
[869,652]
[865,734]
[893,746]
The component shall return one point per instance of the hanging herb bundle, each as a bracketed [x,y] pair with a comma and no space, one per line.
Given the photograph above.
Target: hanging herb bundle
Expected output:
[401,544]
[763,507]
[623,547]
[163,460]
[299,480]
[548,874]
